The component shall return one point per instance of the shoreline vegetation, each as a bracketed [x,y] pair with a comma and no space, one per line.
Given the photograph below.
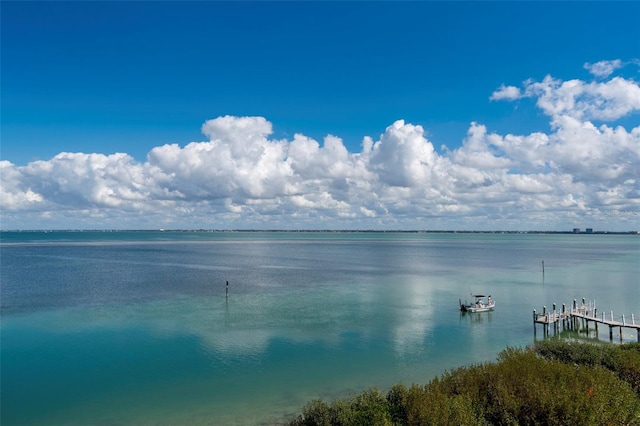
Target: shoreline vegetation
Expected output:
[553,382]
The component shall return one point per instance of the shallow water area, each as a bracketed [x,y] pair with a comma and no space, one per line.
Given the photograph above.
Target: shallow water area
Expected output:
[137,328]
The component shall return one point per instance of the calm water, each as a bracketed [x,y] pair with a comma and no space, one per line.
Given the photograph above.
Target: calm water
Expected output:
[135,328]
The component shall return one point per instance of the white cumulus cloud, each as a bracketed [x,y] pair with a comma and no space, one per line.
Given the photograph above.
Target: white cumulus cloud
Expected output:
[595,100]
[506,92]
[603,68]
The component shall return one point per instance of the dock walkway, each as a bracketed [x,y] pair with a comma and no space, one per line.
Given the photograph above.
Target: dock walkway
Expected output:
[584,313]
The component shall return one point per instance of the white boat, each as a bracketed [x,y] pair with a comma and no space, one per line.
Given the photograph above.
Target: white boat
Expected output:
[480,305]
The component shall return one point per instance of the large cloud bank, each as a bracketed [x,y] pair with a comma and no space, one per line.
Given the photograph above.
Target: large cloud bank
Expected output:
[584,171]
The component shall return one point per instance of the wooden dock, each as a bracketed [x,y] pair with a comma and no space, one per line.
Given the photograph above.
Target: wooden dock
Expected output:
[579,316]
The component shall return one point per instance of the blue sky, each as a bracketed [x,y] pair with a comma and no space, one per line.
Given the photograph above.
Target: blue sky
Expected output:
[127,77]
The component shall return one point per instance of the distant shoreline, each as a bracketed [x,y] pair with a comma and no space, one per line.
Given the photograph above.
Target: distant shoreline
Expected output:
[344,231]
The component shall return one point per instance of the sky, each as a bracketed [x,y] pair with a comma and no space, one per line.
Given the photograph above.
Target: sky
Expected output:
[320,115]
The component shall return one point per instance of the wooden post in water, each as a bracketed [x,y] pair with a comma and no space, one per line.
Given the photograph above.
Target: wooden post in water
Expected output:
[620,334]
[535,317]
[611,333]
[587,315]
[227,293]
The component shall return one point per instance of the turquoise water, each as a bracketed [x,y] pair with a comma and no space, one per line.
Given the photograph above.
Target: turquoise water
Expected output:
[136,328]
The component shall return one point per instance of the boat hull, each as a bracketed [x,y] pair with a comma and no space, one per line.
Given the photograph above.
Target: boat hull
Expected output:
[467,308]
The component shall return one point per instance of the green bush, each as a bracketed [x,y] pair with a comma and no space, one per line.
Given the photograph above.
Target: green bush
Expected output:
[316,412]
[526,389]
[367,408]
[624,360]
[628,366]
[397,398]
[428,405]
[554,383]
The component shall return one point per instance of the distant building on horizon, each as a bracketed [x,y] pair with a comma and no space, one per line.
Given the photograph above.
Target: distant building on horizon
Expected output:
[586,231]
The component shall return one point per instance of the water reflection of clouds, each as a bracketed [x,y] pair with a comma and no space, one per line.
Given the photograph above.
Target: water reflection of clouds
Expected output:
[244,325]
[160,319]
[415,319]
[246,344]
[248,324]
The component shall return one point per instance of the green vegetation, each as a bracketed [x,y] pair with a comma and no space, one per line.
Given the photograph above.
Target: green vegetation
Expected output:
[555,382]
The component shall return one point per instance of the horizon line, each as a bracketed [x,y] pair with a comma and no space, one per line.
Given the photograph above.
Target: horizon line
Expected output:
[414,231]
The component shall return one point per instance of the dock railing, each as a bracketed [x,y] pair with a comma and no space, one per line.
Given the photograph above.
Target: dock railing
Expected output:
[581,315]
